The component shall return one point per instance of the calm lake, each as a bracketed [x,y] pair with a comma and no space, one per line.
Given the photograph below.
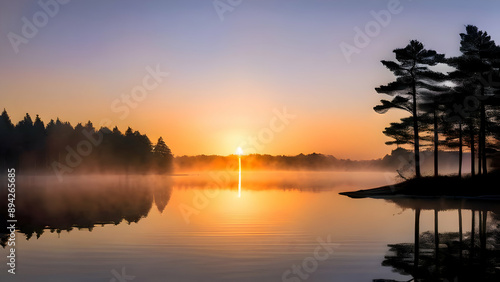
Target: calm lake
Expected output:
[284,226]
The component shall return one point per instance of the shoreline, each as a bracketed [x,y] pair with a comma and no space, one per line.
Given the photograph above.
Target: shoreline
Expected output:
[484,187]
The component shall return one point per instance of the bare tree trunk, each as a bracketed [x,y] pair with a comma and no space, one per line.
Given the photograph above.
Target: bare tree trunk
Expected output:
[460,150]
[460,233]
[482,134]
[417,239]
[483,230]
[480,228]
[479,153]
[436,230]
[472,153]
[415,131]
[436,144]
[436,239]
[472,233]
[485,167]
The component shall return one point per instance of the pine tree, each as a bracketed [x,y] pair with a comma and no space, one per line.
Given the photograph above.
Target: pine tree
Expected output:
[401,132]
[5,122]
[6,130]
[163,156]
[413,73]
[479,57]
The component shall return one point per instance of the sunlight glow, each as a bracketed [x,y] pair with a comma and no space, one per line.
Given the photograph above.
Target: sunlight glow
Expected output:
[239,177]
[239,151]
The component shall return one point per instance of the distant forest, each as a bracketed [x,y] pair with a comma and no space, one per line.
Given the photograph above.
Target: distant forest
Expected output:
[458,109]
[61,148]
[398,161]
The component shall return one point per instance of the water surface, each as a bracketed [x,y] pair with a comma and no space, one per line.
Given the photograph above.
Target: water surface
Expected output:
[196,228]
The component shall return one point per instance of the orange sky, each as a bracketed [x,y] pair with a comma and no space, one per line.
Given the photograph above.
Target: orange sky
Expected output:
[346,127]
[226,74]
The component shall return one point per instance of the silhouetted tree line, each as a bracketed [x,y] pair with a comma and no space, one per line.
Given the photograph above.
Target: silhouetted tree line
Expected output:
[448,110]
[31,146]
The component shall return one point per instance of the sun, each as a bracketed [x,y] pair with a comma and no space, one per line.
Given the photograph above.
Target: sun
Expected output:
[239,151]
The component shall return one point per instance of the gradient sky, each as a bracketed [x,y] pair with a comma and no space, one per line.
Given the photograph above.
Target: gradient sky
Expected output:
[225,76]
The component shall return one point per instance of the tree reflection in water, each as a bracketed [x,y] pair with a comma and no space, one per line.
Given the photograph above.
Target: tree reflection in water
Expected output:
[84,202]
[450,256]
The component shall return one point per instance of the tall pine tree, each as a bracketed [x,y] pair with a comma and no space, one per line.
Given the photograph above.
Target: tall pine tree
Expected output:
[412,72]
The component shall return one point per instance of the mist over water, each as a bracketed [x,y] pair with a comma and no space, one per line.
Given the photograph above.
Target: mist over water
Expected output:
[194,227]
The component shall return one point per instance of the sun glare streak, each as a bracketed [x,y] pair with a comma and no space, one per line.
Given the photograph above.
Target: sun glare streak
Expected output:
[239,178]
[239,151]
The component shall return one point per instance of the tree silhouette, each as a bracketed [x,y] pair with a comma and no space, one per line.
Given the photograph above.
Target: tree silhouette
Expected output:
[400,131]
[413,73]
[460,125]
[433,108]
[163,156]
[50,205]
[462,106]
[6,143]
[479,58]
[32,146]
[5,122]
[39,139]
